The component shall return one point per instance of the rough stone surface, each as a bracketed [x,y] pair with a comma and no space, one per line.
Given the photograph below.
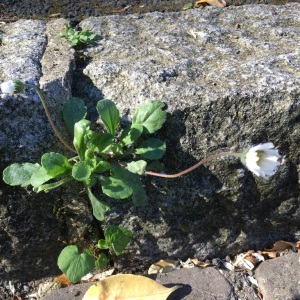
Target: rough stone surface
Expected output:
[21,49]
[58,64]
[225,88]
[174,57]
[80,9]
[230,79]
[32,225]
[197,284]
[279,278]
[69,293]
[23,216]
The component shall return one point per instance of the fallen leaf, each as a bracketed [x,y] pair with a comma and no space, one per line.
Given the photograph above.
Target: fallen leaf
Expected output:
[186,264]
[270,254]
[87,277]
[63,280]
[252,280]
[252,259]
[7,20]
[246,264]
[54,15]
[218,3]
[122,9]
[258,257]
[128,286]
[11,287]
[102,275]
[259,295]
[240,257]
[281,246]
[198,263]
[192,33]
[228,265]
[46,288]
[163,266]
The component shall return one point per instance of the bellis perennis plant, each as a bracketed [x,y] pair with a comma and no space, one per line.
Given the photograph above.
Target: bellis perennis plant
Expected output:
[113,161]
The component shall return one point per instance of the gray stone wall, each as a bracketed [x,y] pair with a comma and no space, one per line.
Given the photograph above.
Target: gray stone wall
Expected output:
[229,78]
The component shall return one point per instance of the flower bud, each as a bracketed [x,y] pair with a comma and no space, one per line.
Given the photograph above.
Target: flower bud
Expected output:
[12,87]
[262,160]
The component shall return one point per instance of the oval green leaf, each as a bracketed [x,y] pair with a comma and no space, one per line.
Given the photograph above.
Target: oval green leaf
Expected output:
[117,237]
[81,171]
[75,265]
[81,130]
[19,174]
[39,177]
[130,134]
[109,114]
[102,261]
[115,188]
[133,181]
[74,110]
[152,149]
[55,164]
[137,167]
[150,116]
[102,142]
[99,207]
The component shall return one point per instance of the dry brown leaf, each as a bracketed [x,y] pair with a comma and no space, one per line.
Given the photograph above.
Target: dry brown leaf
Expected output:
[198,263]
[63,280]
[240,257]
[102,275]
[218,3]
[163,266]
[122,9]
[281,246]
[252,259]
[128,286]
[246,264]
[259,295]
[54,15]
[186,264]
[258,257]
[270,254]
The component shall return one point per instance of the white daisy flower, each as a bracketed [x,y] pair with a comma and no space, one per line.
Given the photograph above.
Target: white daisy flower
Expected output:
[262,160]
[12,87]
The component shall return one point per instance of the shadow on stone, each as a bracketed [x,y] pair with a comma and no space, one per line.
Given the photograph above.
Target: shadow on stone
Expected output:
[180,293]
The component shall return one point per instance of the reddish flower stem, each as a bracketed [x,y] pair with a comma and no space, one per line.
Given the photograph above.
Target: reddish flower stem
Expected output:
[63,141]
[201,162]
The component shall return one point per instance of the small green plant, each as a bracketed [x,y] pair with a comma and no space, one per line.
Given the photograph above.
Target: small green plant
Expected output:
[75,265]
[78,39]
[113,160]
[187,6]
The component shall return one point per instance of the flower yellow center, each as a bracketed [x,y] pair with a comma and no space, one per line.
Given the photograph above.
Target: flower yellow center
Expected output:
[259,154]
